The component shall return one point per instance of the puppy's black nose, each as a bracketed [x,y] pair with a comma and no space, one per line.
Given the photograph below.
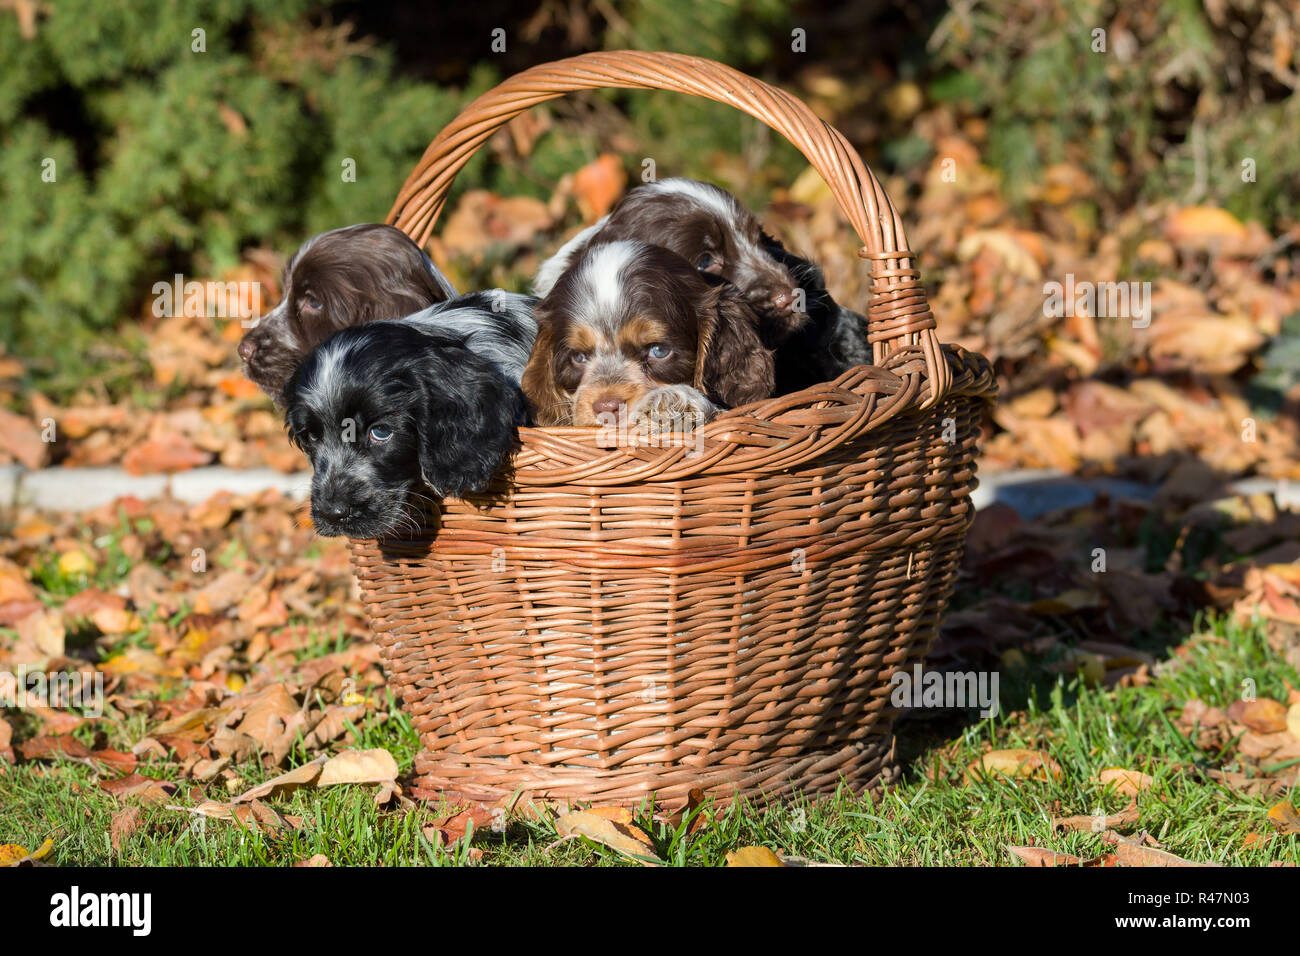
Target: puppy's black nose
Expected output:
[333,511]
[246,349]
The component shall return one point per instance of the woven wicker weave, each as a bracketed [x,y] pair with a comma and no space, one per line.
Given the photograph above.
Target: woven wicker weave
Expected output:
[616,621]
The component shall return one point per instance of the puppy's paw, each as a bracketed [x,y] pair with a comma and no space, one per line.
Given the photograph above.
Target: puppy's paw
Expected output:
[672,409]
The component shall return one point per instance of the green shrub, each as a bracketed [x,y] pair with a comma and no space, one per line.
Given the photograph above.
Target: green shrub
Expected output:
[167,159]
[1180,96]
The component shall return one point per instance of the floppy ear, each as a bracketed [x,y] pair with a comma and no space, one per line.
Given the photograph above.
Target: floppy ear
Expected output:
[442,287]
[466,422]
[548,403]
[418,286]
[732,366]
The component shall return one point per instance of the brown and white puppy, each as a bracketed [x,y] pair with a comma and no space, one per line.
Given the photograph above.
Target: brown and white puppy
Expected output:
[814,338]
[632,334]
[338,279]
[712,230]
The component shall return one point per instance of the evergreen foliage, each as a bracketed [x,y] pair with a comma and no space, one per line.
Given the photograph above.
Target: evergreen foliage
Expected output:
[173,151]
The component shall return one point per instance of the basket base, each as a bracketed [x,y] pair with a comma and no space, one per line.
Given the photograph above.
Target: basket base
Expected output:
[866,766]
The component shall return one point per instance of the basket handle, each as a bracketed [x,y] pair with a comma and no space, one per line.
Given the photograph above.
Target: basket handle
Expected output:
[898,315]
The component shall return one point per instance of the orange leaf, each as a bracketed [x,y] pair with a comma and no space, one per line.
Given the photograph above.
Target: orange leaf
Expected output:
[598,185]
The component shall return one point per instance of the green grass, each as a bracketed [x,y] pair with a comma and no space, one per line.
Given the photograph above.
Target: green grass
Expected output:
[931,818]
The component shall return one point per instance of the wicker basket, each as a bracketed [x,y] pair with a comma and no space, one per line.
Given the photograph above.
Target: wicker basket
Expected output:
[613,622]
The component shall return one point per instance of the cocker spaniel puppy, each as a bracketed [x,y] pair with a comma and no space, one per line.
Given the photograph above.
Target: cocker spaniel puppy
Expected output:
[814,338]
[632,334]
[392,413]
[338,279]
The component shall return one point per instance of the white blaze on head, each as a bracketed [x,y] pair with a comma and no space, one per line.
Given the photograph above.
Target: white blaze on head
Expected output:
[602,276]
[553,267]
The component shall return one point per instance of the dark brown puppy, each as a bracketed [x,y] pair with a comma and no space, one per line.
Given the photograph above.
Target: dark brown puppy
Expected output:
[633,334]
[338,279]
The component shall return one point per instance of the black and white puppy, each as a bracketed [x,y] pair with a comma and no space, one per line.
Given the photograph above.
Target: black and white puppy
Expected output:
[393,412]
[814,338]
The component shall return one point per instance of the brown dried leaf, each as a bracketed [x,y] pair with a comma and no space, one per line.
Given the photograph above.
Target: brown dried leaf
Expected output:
[23,440]
[630,841]
[1135,852]
[1263,715]
[1127,782]
[358,766]
[286,783]
[13,583]
[167,452]
[125,822]
[266,713]
[145,789]
[44,631]
[1042,856]
[1094,823]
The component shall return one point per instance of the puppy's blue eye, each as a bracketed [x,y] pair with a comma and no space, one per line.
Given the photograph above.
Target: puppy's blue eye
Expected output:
[580,358]
[704,262]
[379,434]
[658,351]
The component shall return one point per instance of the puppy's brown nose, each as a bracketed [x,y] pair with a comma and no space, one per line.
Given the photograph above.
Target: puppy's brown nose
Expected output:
[606,405]
[246,349]
[783,301]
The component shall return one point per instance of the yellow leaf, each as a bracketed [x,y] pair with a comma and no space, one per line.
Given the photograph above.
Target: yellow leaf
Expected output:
[11,854]
[75,562]
[1290,573]
[1285,817]
[193,640]
[134,660]
[617,814]
[809,188]
[1076,599]
[1201,225]
[1293,720]
[1014,763]
[753,856]
[1014,658]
